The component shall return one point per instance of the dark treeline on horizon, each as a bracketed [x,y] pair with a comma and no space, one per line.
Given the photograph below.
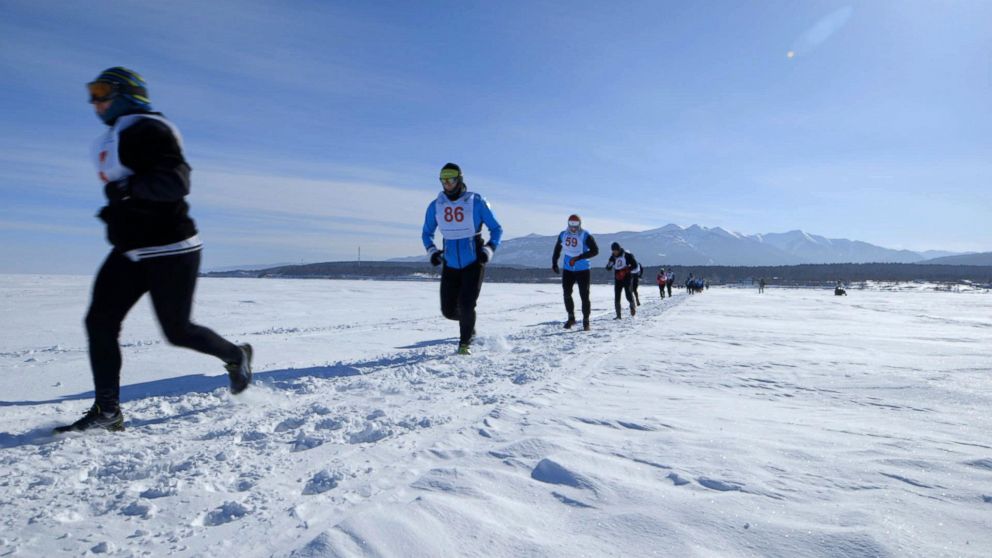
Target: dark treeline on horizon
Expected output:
[789,275]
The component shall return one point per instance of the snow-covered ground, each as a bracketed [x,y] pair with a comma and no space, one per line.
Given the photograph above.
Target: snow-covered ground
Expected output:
[792,423]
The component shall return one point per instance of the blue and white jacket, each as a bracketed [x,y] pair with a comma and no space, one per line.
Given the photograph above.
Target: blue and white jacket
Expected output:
[580,246]
[460,221]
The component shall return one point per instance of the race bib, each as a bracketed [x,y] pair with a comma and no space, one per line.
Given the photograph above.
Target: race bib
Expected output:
[106,150]
[455,218]
[571,244]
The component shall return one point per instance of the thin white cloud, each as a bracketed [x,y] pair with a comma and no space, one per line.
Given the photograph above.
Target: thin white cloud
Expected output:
[822,30]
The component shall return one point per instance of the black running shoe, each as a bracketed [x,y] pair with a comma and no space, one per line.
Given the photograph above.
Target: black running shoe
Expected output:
[569,323]
[585,325]
[633,310]
[240,372]
[95,418]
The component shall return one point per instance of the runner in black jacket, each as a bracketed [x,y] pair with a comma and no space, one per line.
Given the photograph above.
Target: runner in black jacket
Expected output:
[155,244]
[623,264]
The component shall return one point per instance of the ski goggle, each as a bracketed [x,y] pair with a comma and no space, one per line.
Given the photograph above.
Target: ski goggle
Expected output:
[574,224]
[101,91]
[450,173]
[449,181]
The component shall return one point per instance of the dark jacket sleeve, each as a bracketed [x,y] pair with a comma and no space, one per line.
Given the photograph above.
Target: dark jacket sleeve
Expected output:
[150,149]
[591,249]
[609,264]
[148,208]
[557,252]
[631,261]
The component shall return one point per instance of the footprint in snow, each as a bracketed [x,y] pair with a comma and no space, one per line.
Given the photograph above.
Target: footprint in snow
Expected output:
[290,424]
[330,424]
[226,513]
[304,442]
[373,432]
[677,480]
[322,481]
[138,509]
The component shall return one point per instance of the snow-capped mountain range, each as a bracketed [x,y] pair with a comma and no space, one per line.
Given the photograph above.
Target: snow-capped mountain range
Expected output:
[696,245]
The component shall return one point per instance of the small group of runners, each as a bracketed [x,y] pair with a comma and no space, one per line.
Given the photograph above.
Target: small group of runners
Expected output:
[156,249]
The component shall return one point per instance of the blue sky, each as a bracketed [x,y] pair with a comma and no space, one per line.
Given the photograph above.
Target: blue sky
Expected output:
[314,128]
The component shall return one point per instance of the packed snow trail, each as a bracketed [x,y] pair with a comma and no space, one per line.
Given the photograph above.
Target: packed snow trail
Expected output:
[728,423]
[347,429]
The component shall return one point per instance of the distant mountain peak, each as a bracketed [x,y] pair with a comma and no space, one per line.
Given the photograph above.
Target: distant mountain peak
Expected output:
[698,245]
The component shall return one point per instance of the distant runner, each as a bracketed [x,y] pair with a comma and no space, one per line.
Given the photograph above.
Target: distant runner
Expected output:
[662,280]
[460,215]
[578,246]
[622,263]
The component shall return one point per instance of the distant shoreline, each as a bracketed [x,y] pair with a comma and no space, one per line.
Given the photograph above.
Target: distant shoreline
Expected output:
[805,275]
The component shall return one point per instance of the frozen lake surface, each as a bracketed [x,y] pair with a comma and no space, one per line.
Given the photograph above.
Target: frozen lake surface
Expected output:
[792,423]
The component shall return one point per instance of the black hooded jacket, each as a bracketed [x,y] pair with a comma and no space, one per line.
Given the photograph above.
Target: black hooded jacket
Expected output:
[148,208]
[622,273]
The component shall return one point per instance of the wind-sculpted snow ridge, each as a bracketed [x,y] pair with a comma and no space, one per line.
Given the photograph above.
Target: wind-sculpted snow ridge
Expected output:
[730,423]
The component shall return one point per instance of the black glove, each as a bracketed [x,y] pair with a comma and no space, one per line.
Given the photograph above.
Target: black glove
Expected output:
[487,254]
[117,190]
[437,257]
[554,267]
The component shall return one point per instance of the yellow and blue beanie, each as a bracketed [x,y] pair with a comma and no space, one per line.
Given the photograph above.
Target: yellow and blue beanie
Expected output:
[131,92]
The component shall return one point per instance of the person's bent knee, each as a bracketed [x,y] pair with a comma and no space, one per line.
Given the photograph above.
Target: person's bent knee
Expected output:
[99,323]
[450,313]
[179,336]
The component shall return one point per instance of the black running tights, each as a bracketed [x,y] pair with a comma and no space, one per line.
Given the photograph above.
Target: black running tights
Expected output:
[119,284]
[460,290]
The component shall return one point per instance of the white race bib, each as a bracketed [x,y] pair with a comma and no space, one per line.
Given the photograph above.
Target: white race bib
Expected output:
[571,244]
[106,150]
[620,263]
[456,219]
